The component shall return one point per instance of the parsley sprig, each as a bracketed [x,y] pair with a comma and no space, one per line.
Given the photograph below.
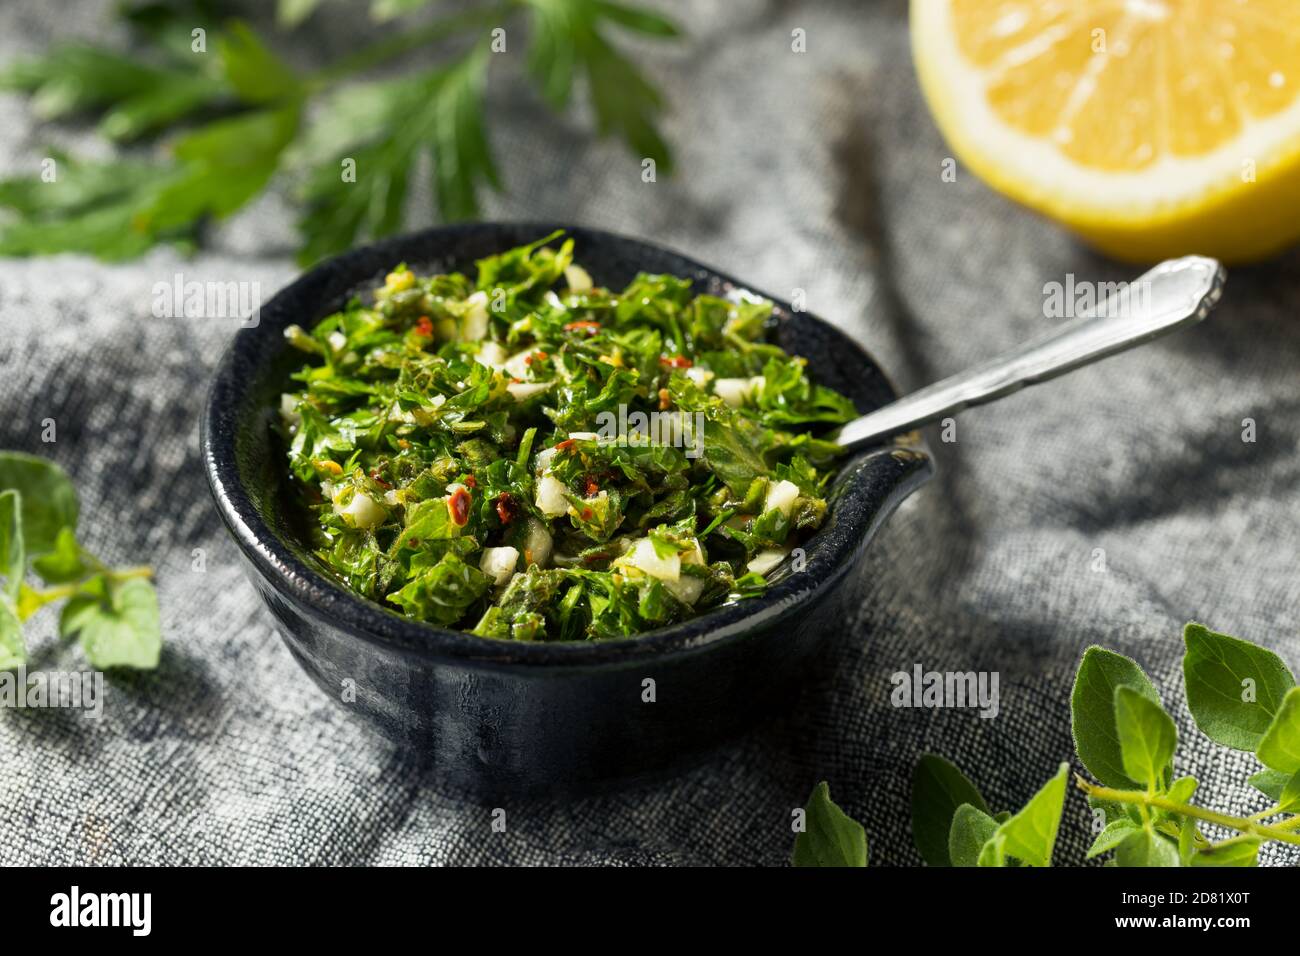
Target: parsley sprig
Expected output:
[233,115]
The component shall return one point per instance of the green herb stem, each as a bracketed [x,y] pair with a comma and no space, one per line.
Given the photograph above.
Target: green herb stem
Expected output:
[47,595]
[390,48]
[1245,825]
[136,571]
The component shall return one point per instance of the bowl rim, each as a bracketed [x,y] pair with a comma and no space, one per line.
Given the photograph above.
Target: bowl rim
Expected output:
[332,602]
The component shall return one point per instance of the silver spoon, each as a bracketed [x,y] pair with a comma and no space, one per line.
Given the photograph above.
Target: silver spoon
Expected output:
[1175,294]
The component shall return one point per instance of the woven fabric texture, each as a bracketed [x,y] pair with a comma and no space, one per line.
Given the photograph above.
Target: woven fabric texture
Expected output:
[818,171]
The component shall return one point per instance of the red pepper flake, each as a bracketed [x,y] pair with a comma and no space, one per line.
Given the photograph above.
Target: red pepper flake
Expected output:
[665,399]
[471,481]
[566,445]
[458,507]
[374,475]
[424,327]
[675,361]
[586,514]
[586,325]
[535,357]
[413,543]
[507,508]
[403,443]
[593,486]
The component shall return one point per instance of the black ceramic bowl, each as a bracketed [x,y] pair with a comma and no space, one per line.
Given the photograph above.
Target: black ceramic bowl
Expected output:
[499,716]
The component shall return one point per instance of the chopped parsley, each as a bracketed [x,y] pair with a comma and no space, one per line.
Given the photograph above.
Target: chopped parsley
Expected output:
[528,456]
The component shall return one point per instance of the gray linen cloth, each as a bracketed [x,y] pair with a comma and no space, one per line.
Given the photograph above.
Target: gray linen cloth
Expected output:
[819,171]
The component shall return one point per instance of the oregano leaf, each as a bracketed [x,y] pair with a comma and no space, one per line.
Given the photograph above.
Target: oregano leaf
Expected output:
[1271,783]
[1279,749]
[49,502]
[1147,737]
[1188,836]
[1238,852]
[13,555]
[1092,712]
[1030,835]
[13,651]
[1146,848]
[1111,837]
[1289,800]
[938,790]
[970,830]
[1234,688]
[116,623]
[63,564]
[831,837]
[1182,790]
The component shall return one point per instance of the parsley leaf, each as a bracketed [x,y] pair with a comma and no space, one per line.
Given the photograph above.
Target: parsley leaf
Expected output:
[568,37]
[249,107]
[441,112]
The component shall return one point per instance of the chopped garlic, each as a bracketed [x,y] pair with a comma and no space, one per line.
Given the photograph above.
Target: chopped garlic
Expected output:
[362,512]
[781,496]
[538,544]
[499,563]
[766,560]
[474,323]
[492,355]
[550,497]
[542,463]
[289,410]
[737,391]
[700,376]
[523,391]
[517,365]
[578,278]
[644,557]
[686,589]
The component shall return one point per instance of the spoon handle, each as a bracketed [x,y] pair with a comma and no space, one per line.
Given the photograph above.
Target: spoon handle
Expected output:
[1176,293]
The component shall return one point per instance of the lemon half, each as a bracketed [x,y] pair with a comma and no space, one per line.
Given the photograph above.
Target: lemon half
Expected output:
[1152,128]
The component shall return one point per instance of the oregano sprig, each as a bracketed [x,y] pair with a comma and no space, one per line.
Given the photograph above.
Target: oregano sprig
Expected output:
[951,824]
[113,611]
[1240,695]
